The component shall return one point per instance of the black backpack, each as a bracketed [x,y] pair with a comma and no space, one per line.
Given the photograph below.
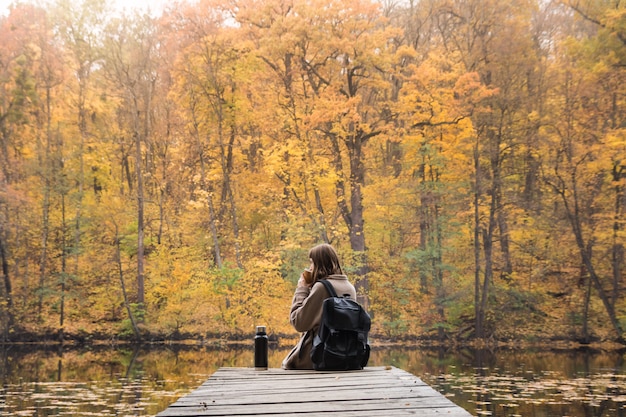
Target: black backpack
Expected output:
[341,340]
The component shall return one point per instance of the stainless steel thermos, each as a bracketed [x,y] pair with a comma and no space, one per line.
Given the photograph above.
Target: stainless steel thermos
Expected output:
[260,349]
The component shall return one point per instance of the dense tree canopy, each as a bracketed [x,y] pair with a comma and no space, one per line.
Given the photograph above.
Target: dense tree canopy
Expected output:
[167,175]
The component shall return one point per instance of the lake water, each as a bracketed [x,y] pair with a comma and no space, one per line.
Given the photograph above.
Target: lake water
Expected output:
[123,381]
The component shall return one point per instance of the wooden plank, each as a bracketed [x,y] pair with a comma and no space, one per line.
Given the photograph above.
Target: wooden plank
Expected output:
[373,391]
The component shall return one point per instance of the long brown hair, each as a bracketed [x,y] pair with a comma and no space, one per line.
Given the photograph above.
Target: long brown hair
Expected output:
[325,261]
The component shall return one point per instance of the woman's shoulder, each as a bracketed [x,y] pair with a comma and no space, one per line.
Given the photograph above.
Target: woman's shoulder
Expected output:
[318,290]
[337,277]
[341,284]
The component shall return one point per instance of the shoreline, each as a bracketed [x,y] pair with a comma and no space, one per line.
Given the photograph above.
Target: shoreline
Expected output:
[246,341]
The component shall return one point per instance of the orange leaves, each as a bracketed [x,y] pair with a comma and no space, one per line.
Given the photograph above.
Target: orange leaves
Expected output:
[470,92]
[272,125]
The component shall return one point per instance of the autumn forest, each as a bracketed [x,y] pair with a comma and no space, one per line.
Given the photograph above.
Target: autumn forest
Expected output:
[164,176]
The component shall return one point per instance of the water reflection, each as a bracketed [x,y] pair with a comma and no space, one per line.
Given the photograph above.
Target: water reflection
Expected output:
[126,381]
[527,383]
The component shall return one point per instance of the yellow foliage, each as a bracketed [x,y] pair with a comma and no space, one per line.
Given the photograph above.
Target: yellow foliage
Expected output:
[261,128]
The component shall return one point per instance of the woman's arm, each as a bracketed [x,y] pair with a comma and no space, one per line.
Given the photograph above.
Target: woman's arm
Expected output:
[306,307]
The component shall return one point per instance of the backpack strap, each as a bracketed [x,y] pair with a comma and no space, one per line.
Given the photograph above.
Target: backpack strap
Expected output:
[329,287]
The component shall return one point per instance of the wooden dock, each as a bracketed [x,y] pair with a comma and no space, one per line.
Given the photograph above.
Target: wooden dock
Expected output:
[374,391]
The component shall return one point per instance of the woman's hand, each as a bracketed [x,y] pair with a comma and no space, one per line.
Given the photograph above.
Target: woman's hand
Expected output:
[302,282]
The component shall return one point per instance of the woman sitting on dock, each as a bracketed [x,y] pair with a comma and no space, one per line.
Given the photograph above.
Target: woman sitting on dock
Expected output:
[306,306]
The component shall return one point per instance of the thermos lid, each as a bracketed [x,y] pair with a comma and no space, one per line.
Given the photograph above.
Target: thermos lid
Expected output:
[260,329]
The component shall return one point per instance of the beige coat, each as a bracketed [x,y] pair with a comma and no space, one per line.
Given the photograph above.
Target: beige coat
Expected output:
[306,315]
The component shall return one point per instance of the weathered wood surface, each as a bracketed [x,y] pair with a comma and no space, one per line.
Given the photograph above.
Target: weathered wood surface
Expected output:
[374,391]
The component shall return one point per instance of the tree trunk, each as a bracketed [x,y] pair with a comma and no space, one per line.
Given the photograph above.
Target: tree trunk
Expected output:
[422,273]
[82,127]
[423,227]
[140,221]
[488,233]
[438,272]
[228,198]
[6,304]
[477,230]
[617,250]
[503,226]
[488,275]
[573,216]
[214,235]
[233,206]
[125,171]
[357,233]
[322,219]
[355,215]
[120,270]
[43,256]
[63,270]
[8,290]
[585,329]
[208,189]
[47,174]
